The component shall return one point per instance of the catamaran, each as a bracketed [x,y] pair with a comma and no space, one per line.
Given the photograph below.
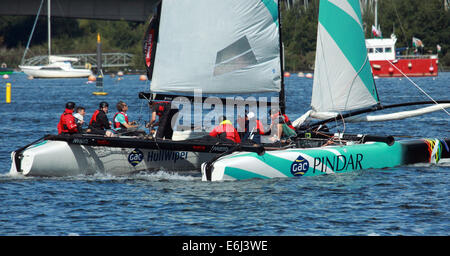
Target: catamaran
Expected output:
[343,87]
[235,47]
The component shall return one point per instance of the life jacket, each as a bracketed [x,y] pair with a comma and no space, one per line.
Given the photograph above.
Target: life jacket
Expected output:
[117,124]
[226,130]
[286,120]
[67,122]
[160,107]
[96,124]
[94,117]
[259,127]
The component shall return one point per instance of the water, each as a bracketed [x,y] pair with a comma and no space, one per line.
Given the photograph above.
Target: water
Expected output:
[412,200]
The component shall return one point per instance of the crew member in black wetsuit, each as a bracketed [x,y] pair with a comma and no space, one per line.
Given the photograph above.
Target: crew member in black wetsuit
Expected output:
[99,123]
[165,114]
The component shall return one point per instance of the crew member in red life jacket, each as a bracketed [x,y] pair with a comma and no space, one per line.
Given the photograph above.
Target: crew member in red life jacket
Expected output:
[225,130]
[99,123]
[165,114]
[67,123]
[256,128]
[121,123]
[280,120]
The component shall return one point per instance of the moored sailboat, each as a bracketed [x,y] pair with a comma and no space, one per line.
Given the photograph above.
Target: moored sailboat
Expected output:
[57,66]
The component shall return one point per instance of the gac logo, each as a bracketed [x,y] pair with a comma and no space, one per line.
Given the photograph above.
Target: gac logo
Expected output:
[300,166]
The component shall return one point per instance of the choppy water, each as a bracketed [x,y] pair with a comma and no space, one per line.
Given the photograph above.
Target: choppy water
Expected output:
[412,200]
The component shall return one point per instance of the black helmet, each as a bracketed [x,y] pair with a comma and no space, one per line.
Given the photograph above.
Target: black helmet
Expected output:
[103,104]
[70,105]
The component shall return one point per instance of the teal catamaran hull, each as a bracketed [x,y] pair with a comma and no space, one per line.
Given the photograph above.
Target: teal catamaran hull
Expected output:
[326,160]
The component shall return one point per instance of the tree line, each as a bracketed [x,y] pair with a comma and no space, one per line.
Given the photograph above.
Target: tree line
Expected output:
[426,20]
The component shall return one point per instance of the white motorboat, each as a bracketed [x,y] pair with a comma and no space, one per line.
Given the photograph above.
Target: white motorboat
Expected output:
[59,67]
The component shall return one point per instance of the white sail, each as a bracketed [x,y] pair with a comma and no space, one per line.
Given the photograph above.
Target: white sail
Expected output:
[218,47]
[342,77]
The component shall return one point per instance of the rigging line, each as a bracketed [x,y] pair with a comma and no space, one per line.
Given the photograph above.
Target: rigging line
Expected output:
[416,85]
[353,80]
[399,21]
[32,32]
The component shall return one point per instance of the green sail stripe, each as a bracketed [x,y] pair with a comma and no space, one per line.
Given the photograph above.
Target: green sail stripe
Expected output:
[356,7]
[280,164]
[349,37]
[241,174]
[273,9]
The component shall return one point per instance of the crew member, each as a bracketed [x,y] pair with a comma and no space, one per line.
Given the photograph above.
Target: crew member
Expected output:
[225,130]
[256,128]
[165,114]
[99,123]
[67,124]
[121,123]
[283,118]
[79,117]
[283,128]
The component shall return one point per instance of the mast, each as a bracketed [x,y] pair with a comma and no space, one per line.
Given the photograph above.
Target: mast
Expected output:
[376,14]
[49,30]
[282,95]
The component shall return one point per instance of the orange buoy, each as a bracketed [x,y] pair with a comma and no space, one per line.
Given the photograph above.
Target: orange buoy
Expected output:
[143,78]
[391,70]
[287,74]
[92,78]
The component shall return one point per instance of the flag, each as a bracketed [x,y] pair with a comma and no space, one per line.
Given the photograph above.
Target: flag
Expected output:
[376,32]
[416,42]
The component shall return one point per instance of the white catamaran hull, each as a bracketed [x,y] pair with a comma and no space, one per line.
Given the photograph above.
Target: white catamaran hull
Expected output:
[59,158]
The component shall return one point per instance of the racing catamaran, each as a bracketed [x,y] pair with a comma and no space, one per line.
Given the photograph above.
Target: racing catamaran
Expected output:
[222,47]
[343,88]
[234,47]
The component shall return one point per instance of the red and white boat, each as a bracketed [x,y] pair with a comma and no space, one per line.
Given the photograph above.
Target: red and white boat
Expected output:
[386,63]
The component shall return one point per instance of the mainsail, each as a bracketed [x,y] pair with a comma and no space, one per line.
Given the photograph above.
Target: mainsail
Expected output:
[218,47]
[343,78]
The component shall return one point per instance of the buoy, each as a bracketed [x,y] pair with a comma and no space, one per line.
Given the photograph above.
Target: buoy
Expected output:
[309,75]
[410,65]
[100,93]
[120,73]
[8,92]
[5,76]
[92,78]
[391,70]
[287,74]
[431,69]
[301,74]
[143,78]
[30,77]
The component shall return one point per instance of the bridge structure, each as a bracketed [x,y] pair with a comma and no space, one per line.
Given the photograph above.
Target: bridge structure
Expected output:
[130,10]
[109,60]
